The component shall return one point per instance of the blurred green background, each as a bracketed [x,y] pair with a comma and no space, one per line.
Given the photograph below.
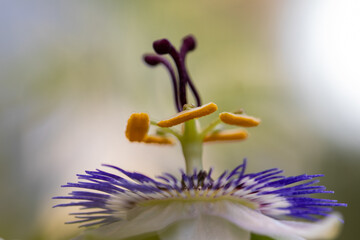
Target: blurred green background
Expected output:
[71,73]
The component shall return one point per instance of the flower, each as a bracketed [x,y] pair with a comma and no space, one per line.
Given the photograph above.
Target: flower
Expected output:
[234,205]
[130,203]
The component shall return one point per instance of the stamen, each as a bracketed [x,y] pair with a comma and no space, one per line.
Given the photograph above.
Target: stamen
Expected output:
[239,119]
[188,115]
[137,127]
[189,44]
[163,46]
[154,60]
[158,139]
[226,135]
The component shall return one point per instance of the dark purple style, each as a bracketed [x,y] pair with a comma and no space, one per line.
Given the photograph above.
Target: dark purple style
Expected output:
[163,46]
[265,190]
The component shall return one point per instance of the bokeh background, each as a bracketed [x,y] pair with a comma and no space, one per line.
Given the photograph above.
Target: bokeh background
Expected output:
[71,73]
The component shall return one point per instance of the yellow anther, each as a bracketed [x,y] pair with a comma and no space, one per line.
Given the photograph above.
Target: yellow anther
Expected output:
[226,135]
[158,139]
[239,119]
[137,127]
[188,115]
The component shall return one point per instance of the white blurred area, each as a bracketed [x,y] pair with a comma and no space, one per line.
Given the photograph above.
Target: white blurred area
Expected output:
[67,72]
[70,141]
[73,140]
[321,58]
[71,74]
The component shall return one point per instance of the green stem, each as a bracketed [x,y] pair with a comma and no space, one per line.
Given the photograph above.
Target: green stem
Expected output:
[191,143]
[167,130]
[210,127]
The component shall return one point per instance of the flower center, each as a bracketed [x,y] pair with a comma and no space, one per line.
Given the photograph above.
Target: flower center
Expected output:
[191,135]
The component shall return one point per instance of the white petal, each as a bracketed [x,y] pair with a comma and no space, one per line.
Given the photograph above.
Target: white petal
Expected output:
[216,220]
[327,228]
[256,222]
[204,228]
[177,220]
[142,220]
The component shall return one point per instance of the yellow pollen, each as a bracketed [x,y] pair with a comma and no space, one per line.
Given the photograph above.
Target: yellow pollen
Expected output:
[239,119]
[186,115]
[226,135]
[137,127]
[158,139]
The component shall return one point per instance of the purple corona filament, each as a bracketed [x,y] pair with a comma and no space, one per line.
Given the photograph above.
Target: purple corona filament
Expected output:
[106,194]
[163,46]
